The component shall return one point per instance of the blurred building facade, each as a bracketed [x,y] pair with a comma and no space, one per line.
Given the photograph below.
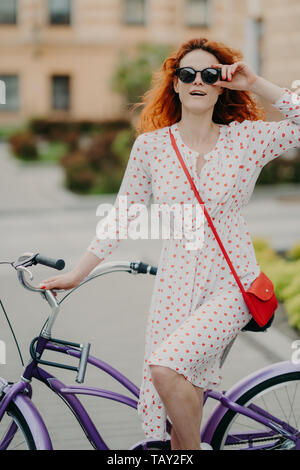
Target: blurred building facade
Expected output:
[58,56]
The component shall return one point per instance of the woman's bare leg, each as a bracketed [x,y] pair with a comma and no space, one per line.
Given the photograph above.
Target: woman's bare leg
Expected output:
[182,404]
[175,444]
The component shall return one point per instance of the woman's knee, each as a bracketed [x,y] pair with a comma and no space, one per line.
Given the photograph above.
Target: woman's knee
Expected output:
[162,376]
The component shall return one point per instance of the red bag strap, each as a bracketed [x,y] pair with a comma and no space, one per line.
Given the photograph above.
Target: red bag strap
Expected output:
[205,211]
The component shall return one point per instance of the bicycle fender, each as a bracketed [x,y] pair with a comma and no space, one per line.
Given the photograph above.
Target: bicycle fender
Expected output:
[240,388]
[35,422]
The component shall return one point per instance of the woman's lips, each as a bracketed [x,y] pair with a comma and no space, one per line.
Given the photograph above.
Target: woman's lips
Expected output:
[197,93]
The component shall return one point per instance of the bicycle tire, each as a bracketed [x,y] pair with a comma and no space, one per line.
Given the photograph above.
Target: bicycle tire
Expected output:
[224,424]
[15,414]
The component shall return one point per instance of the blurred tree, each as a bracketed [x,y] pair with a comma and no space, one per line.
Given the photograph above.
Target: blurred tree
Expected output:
[132,77]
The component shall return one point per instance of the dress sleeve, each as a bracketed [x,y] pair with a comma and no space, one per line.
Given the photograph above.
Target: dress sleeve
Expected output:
[135,189]
[271,139]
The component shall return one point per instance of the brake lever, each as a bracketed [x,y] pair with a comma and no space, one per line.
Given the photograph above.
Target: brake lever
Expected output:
[22,268]
[27,259]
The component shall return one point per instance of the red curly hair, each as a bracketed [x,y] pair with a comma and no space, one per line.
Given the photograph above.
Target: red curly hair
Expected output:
[162,106]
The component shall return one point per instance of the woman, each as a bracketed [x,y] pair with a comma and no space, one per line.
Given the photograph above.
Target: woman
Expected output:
[196,307]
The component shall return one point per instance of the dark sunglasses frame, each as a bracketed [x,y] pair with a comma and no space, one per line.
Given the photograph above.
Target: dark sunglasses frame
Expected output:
[206,76]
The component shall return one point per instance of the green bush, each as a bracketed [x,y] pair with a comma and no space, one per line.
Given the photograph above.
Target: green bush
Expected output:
[122,144]
[285,275]
[100,155]
[23,146]
[133,75]
[52,151]
[294,252]
[106,183]
[97,169]
[100,167]
[292,307]
[293,288]
[264,252]
[8,131]
[58,129]
[281,171]
[282,274]
[79,177]
[52,129]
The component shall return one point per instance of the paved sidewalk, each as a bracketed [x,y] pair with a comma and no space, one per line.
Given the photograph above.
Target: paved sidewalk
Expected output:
[37,214]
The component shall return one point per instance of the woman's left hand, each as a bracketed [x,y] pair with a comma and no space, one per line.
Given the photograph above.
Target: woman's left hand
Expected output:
[237,76]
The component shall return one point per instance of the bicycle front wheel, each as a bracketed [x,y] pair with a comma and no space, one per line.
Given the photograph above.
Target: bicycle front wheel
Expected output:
[278,397]
[14,431]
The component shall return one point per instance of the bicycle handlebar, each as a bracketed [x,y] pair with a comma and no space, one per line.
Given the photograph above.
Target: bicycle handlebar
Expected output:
[144,268]
[28,259]
[51,262]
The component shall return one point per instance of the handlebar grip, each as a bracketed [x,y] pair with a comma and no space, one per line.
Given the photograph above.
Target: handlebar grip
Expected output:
[144,268]
[153,270]
[83,362]
[51,262]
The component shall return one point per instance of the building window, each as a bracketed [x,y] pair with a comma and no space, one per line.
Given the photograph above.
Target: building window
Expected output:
[197,12]
[61,92]
[60,12]
[135,12]
[11,93]
[8,11]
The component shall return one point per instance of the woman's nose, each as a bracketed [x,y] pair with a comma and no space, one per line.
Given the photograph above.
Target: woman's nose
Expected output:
[198,78]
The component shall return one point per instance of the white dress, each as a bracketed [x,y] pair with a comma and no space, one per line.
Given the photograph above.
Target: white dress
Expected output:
[196,307]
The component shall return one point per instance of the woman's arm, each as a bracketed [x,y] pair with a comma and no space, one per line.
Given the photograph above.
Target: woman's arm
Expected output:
[265,140]
[136,186]
[266,89]
[268,140]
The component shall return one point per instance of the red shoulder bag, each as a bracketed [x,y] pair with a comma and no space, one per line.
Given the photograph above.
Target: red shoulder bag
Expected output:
[259,297]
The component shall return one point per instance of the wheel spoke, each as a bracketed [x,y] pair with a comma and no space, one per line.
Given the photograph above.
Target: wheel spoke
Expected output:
[283,412]
[292,407]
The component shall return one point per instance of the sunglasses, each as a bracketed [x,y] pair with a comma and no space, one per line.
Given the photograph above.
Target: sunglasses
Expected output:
[188,74]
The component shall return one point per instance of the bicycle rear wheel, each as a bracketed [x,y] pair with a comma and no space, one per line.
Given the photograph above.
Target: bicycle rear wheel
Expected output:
[14,431]
[278,397]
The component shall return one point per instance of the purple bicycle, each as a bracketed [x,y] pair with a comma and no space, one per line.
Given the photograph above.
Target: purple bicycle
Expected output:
[261,412]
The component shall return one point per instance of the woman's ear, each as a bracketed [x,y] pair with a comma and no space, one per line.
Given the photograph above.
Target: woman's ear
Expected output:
[175,84]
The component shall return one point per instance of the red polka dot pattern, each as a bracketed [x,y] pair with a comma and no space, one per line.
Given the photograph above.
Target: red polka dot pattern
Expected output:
[196,307]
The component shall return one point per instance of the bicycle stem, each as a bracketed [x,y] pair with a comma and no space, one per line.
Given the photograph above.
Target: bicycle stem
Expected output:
[49,296]
[46,294]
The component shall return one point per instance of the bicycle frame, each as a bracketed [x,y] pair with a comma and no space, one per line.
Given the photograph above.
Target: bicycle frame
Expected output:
[22,390]
[68,393]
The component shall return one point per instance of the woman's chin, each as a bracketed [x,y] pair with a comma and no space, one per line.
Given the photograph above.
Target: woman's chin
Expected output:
[196,109]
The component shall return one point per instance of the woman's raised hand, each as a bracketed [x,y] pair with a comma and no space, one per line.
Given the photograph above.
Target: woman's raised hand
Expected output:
[237,76]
